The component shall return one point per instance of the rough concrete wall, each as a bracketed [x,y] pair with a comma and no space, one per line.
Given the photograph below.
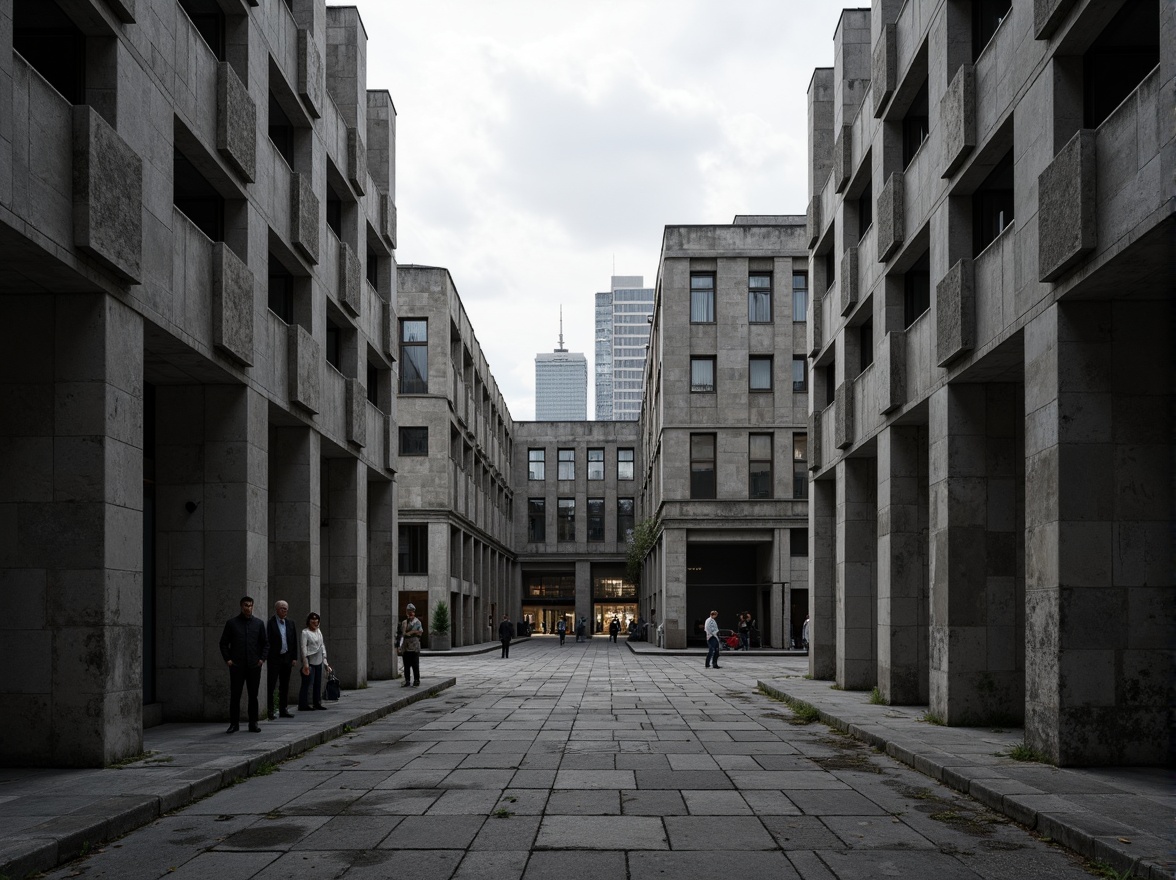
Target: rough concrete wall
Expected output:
[857,588]
[345,548]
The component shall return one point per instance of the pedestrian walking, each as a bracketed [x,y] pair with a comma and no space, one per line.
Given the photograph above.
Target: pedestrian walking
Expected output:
[561,628]
[614,630]
[711,628]
[244,647]
[313,651]
[411,630]
[283,657]
[581,630]
[804,635]
[745,630]
[505,634]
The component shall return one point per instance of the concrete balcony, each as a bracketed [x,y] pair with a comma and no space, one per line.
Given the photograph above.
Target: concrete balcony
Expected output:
[994,288]
[304,369]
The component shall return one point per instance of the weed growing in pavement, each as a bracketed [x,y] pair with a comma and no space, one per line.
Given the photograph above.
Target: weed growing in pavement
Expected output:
[501,813]
[1099,868]
[877,699]
[932,718]
[802,712]
[265,769]
[130,759]
[1022,752]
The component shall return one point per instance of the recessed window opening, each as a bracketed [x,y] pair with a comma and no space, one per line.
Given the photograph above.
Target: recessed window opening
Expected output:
[281,131]
[830,268]
[281,290]
[414,440]
[373,267]
[702,374]
[373,384]
[759,373]
[53,46]
[800,465]
[702,466]
[830,383]
[333,347]
[798,538]
[536,464]
[702,298]
[987,16]
[596,520]
[992,205]
[759,298]
[566,464]
[917,289]
[414,356]
[595,464]
[536,520]
[866,209]
[625,517]
[759,466]
[197,198]
[799,374]
[565,519]
[866,343]
[209,20]
[412,547]
[1116,63]
[624,464]
[800,296]
[334,212]
[915,125]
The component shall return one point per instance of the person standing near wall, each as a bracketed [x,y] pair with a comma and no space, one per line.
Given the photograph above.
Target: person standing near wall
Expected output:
[505,634]
[411,631]
[614,629]
[313,650]
[283,643]
[561,628]
[244,647]
[711,628]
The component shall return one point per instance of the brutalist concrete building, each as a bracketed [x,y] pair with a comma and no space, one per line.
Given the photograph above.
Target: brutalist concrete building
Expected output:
[197,354]
[990,441]
[724,430]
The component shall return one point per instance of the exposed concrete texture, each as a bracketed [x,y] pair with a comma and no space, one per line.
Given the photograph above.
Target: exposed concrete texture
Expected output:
[294,519]
[356,413]
[889,219]
[382,580]
[304,216]
[955,313]
[957,116]
[350,280]
[388,219]
[857,588]
[814,441]
[232,305]
[843,158]
[885,69]
[310,73]
[357,174]
[892,378]
[303,368]
[813,221]
[1067,221]
[843,415]
[124,10]
[849,280]
[345,569]
[107,196]
[236,122]
[1047,15]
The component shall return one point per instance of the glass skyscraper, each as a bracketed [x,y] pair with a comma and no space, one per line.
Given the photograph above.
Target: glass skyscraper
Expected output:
[561,385]
[622,334]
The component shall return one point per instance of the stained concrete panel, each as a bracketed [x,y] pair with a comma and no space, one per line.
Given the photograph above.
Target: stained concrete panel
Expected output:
[310,73]
[1066,193]
[232,305]
[957,118]
[350,280]
[843,158]
[955,313]
[885,67]
[107,195]
[303,369]
[236,122]
[1047,15]
[849,280]
[356,161]
[890,217]
[304,216]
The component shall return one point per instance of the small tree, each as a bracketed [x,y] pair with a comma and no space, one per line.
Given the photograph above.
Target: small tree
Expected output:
[440,623]
[644,537]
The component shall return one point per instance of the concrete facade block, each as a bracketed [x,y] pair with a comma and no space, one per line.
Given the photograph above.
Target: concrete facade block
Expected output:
[356,161]
[815,462]
[892,360]
[890,217]
[843,415]
[957,116]
[232,305]
[955,313]
[310,73]
[388,340]
[1066,204]
[304,216]
[107,195]
[124,10]
[356,413]
[388,219]
[843,158]
[236,122]
[350,280]
[813,221]
[1047,15]
[885,67]
[849,280]
[305,358]
[815,330]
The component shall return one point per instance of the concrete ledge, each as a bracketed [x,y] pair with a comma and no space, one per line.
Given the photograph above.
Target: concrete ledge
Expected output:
[815,330]
[848,281]
[310,74]
[885,68]
[813,221]
[892,361]
[388,340]
[124,10]
[842,158]
[955,313]
[843,415]
[356,161]
[350,280]
[304,216]
[356,412]
[1066,207]
[1047,15]
[816,460]
[388,219]
[890,217]
[957,115]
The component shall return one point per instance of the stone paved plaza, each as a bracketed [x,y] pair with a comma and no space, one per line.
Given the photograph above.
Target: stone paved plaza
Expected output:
[589,762]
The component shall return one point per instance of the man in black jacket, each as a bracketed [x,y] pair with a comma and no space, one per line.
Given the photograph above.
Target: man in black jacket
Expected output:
[244,647]
[505,634]
[283,639]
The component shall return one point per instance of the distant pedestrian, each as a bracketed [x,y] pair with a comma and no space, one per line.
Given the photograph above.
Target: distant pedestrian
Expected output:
[283,657]
[804,635]
[745,630]
[313,650]
[411,631]
[505,634]
[581,630]
[561,628]
[244,647]
[711,628]
[614,629]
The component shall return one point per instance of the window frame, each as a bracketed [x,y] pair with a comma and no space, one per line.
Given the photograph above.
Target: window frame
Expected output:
[626,522]
[536,520]
[565,456]
[410,350]
[565,523]
[805,289]
[412,546]
[703,487]
[800,387]
[405,433]
[595,520]
[752,293]
[799,464]
[703,361]
[757,359]
[630,461]
[598,451]
[540,460]
[704,305]
[754,457]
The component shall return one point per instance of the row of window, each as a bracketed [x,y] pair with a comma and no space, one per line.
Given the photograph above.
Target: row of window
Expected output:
[760,469]
[566,464]
[759,297]
[565,520]
[759,373]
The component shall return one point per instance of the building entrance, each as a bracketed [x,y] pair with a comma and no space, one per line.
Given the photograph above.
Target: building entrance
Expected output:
[604,612]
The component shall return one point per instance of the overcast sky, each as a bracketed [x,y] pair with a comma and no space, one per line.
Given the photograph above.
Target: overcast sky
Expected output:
[541,141]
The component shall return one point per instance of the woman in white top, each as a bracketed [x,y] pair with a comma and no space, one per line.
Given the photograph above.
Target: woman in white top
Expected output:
[313,652]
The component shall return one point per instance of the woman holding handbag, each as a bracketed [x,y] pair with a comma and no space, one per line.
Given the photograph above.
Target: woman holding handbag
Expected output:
[313,652]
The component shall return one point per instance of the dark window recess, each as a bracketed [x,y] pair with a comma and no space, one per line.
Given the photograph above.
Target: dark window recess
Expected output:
[373,384]
[52,44]
[986,18]
[596,520]
[799,296]
[1124,53]
[798,542]
[866,209]
[830,384]
[830,269]
[373,268]
[414,441]
[536,520]
[209,20]
[625,517]
[702,466]
[334,212]
[915,125]
[412,543]
[197,199]
[281,130]
[916,290]
[992,205]
[281,290]
[866,343]
[332,351]
[799,377]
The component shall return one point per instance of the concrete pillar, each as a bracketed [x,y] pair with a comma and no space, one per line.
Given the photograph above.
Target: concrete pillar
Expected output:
[71,551]
[295,520]
[902,565]
[977,585]
[345,600]
[381,593]
[822,578]
[1100,623]
[779,606]
[857,532]
[673,568]
[584,593]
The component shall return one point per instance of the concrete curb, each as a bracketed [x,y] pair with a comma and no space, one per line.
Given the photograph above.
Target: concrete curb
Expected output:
[54,842]
[1103,844]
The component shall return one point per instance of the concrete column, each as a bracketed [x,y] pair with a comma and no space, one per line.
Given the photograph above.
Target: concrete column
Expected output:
[673,566]
[345,571]
[977,586]
[295,520]
[902,565]
[381,594]
[779,608]
[71,552]
[856,593]
[584,593]
[1099,618]
[822,579]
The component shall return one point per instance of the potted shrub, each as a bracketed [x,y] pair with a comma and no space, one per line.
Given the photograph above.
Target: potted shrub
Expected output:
[439,627]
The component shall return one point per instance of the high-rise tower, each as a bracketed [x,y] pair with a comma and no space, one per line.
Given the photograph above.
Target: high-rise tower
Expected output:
[561,384]
[622,332]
